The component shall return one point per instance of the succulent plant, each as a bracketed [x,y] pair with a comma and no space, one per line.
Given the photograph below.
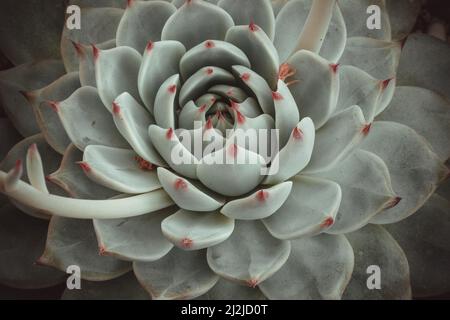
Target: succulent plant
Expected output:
[90,178]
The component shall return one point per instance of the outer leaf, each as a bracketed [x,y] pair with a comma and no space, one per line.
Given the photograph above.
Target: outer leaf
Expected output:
[197,230]
[374,246]
[143,22]
[337,138]
[73,180]
[314,86]
[425,239]
[26,77]
[22,239]
[98,25]
[289,25]
[377,57]
[317,268]
[366,190]
[254,253]
[116,72]
[179,275]
[431,73]
[86,120]
[134,239]
[245,12]
[123,288]
[424,111]
[73,242]
[195,22]
[415,170]
[309,210]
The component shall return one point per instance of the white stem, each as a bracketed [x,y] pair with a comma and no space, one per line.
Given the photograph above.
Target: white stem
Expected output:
[85,209]
[316,26]
[35,170]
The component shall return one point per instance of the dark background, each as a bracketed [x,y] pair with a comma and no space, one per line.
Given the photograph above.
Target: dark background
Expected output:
[433,8]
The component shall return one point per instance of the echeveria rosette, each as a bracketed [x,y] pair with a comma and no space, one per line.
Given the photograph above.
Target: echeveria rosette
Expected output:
[358,155]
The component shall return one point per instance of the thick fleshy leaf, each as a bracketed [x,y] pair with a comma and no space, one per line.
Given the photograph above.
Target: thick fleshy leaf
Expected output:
[286,112]
[295,155]
[310,209]
[98,25]
[424,111]
[86,57]
[73,180]
[229,290]
[356,16]
[375,247]
[31,30]
[424,237]
[403,16]
[160,61]
[73,242]
[432,73]
[123,288]
[314,85]
[179,275]
[250,256]
[415,170]
[359,88]
[201,81]
[22,240]
[337,138]
[317,268]
[258,86]
[86,120]
[186,195]
[366,190]
[378,58]
[26,77]
[212,53]
[234,93]
[46,117]
[118,169]
[135,239]
[195,22]
[259,205]
[142,22]
[9,137]
[166,103]
[132,121]
[245,12]
[173,151]
[50,161]
[197,230]
[116,72]
[231,171]
[289,25]
[259,49]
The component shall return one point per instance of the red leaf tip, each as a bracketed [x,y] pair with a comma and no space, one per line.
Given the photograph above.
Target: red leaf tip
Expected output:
[172,88]
[252,26]
[262,195]
[334,67]
[366,129]
[169,134]
[297,133]
[327,222]
[209,44]
[150,46]
[86,167]
[115,108]
[276,96]
[187,243]
[54,105]
[180,184]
